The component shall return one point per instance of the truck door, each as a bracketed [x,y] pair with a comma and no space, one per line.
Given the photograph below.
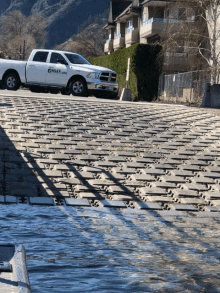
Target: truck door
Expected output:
[57,72]
[36,69]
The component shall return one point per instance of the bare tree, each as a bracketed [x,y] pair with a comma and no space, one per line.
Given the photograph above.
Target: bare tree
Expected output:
[20,34]
[193,27]
[13,24]
[20,47]
[14,4]
[89,42]
[36,26]
[211,15]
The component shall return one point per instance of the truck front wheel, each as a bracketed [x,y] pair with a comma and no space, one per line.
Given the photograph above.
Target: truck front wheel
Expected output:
[35,89]
[78,87]
[11,82]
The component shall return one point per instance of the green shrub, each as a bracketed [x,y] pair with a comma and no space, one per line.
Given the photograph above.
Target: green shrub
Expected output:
[144,70]
[147,67]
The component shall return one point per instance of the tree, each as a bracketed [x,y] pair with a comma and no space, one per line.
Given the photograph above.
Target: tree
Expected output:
[20,47]
[89,42]
[90,39]
[36,26]
[14,4]
[193,27]
[211,15]
[20,34]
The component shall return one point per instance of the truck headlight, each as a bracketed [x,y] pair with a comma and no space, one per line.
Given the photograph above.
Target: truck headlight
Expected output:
[93,75]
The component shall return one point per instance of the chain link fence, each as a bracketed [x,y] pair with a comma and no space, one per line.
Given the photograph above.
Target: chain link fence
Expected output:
[173,85]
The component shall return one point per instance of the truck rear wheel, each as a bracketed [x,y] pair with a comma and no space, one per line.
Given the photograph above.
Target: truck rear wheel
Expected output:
[12,82]
[66,91]
[78,88]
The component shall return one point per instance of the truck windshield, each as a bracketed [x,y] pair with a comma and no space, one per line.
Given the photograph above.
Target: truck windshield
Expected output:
[76,59]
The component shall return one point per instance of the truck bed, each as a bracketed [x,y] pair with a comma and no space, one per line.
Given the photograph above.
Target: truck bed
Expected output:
[18,65]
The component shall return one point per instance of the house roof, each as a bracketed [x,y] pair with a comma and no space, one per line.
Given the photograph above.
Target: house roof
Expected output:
[152,2]
[116,8]
[134,6]
[119,8]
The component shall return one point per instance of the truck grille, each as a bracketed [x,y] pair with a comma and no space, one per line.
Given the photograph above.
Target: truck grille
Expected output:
[108,76]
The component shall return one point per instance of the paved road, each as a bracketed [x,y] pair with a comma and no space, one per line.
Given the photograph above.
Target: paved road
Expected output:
[101,153]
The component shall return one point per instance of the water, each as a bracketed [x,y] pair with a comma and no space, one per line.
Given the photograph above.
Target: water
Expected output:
[106,250]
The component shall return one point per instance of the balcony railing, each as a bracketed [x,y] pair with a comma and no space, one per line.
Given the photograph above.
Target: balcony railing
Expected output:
[119,36]
[132,37]
[176,54]
[119,42]
[165,20]
[152,19]
[108,47]
[129,30]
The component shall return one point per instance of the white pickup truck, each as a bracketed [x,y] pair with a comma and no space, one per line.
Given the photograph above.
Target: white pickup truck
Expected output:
[53,71]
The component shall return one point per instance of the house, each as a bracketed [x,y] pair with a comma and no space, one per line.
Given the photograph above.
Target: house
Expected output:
[143,21]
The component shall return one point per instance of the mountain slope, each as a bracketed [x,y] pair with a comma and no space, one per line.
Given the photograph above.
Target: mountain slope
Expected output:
[63,16]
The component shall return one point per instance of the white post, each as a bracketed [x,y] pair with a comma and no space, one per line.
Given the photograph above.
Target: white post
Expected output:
[126,93]
[128,72]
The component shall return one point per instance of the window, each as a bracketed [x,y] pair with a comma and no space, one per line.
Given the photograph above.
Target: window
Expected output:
[55,57]
[190,14]
[144,17]
[171,13]
[76,59]
[182,14]
[40,56]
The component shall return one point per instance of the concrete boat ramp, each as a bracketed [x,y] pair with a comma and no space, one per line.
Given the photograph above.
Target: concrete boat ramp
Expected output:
[98,153]
[156,163]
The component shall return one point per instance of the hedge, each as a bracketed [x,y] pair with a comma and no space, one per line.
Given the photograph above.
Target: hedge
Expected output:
[144,71]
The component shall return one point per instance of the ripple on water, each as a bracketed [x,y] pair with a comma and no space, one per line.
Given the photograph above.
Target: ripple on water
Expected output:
[101,250]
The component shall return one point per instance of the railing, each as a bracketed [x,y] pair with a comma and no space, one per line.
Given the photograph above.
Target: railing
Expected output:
[129,30]
[173,20]
[152,19]
[164,20]
[176,54]
[173,84]
[119,36]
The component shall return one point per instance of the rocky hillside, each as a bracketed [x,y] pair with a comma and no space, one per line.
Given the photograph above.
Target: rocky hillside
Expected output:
[64,16]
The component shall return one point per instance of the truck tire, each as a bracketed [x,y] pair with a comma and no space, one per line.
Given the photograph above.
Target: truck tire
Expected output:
[98,95]
[54,91]
[35,89]
[66,91]
[114,96]
[78,87]
[45,90]
[103,95]
[12,82]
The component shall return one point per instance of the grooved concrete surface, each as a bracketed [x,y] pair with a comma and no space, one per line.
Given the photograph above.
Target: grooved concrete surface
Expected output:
[86,152]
